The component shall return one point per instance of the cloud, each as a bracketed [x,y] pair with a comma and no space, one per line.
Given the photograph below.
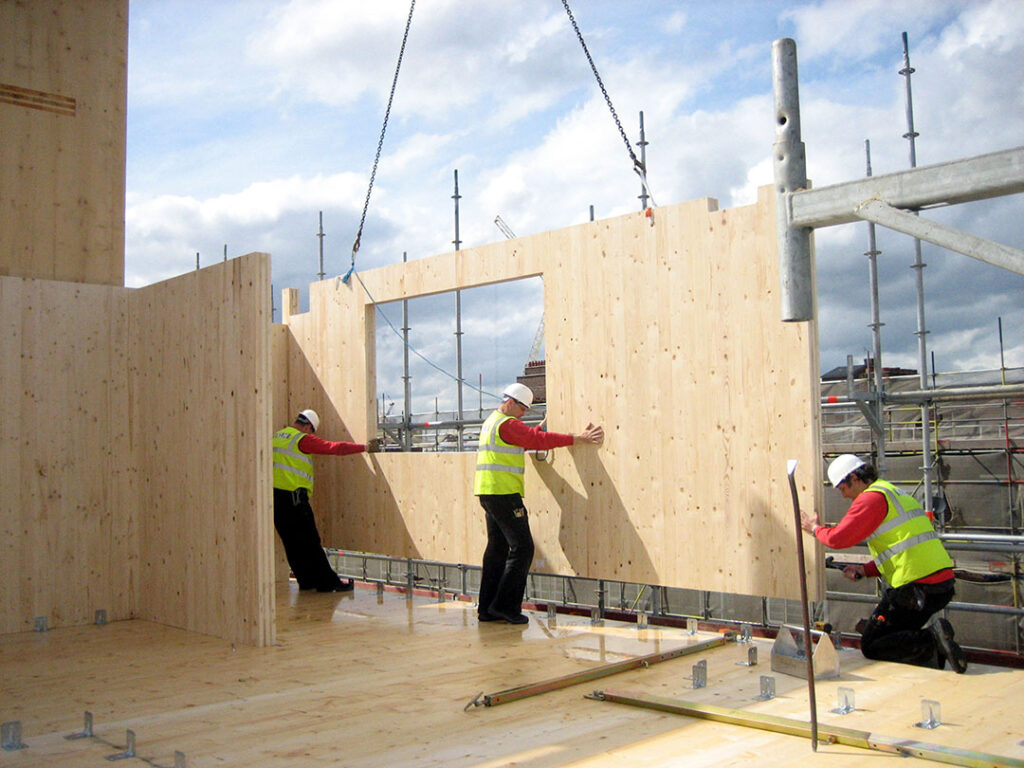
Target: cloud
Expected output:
[273,112]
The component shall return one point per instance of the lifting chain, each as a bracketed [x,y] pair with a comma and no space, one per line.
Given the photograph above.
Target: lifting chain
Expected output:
[380,142]
[637,165]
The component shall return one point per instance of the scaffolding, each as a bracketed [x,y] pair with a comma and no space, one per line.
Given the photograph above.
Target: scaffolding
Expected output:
[898,426]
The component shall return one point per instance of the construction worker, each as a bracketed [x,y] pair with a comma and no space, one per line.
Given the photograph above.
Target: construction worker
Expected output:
[907,553]
[294,448]
[499,483]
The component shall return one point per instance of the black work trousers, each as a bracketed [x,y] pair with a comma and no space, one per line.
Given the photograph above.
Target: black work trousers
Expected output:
[295,524]
[508,556]
[895,630]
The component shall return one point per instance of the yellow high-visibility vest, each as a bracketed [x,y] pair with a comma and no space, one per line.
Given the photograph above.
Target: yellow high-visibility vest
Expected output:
[500,466]
[293,469]
[905,546]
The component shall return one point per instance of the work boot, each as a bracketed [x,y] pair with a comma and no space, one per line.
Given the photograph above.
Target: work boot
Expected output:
[512,618]
[942,631]
[341,586]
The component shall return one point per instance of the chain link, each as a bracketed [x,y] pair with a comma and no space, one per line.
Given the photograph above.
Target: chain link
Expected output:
[383,129]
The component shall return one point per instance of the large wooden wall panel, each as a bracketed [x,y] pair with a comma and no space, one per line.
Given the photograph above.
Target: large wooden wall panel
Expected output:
[201,416]
[667,332]
[63,85]
[67,538]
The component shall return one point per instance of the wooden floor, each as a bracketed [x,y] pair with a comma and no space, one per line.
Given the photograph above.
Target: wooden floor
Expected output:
[364,680]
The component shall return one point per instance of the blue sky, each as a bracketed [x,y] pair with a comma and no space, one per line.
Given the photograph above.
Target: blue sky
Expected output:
[246,119]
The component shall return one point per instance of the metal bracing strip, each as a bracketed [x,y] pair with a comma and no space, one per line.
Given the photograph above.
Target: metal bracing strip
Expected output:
[958,181]
[979,248]
[594,673]
[829,733]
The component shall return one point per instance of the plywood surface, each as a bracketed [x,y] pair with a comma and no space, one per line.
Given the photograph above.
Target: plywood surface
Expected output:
[201,393]
[136,452]
[63,85]
[353,681]
[667,334]
[67,543]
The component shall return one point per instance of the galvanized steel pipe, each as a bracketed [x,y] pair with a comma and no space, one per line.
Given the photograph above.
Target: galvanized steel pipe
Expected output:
[790,162]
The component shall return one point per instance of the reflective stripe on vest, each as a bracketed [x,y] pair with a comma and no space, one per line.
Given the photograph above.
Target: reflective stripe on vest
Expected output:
[500,466]
[905,546]
[293,469]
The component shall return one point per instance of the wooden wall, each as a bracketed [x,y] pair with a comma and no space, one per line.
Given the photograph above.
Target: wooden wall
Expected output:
[199,370]
[68,541]
[668,335]
[63,86]
[136,452]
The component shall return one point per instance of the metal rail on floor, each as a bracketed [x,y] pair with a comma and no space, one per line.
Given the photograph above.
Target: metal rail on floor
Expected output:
[570,593]
[831,734]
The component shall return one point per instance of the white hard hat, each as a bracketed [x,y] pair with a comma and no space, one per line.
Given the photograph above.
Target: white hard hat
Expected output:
[842,466]
[311,416]
[519,392]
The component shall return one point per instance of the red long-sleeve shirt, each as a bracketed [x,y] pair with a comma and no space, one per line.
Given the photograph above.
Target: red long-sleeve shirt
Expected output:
[317,445]
[865,514]
[514,432]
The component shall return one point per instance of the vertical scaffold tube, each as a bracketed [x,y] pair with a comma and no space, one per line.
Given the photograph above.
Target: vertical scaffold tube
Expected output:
[796,280]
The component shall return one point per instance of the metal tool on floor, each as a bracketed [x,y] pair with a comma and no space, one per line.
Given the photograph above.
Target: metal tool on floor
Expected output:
[533,689]
[791,659]
[833,734]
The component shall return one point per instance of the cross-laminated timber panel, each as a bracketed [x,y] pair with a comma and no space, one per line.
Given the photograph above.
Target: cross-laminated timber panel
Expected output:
[136,452]
[201,431]
[67,539]
[63,86]
[669,335]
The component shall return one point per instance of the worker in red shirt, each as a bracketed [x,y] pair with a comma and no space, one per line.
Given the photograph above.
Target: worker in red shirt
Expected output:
[907,554]
[499,483]
[294,448]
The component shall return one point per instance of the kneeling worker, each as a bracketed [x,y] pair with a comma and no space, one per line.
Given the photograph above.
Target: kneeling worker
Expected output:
[499,483]
[907,553]
[294,447]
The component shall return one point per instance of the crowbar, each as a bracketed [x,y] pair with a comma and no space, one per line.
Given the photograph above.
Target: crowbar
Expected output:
[791,470]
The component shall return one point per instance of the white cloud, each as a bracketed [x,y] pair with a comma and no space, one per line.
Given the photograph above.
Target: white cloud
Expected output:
[248,153]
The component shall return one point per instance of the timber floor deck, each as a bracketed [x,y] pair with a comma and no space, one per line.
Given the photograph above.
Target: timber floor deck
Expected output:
[362,679]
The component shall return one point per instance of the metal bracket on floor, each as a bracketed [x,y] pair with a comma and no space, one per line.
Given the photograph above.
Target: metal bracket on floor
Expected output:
[10,736]
[767,688]
[129,750]
[832,734]
[86,732]
[844,705]
[700,674]
[930,715]
[41,624]
[533,689]
[101,617]
[751,658]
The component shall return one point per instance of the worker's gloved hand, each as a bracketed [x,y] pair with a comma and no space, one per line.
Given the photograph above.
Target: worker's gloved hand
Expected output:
[373,445]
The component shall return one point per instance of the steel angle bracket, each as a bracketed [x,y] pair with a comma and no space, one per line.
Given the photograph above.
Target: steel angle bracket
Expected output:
[586,675]
[829,733]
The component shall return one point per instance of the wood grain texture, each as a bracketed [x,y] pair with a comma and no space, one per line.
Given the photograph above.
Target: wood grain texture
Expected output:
[668,334]
[136,452]
[201,405]
[359,683]
[63,66]
[68,542]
